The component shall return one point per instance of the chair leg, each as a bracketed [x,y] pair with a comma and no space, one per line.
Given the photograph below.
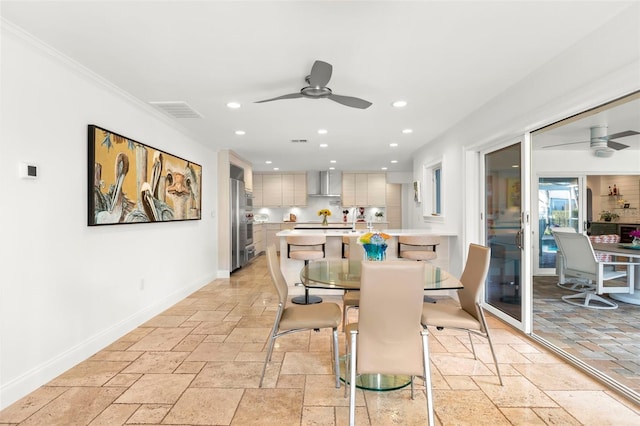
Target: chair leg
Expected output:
[336,359]
[473,348]
[345,310]
[412,389]
[488,335]
[427,375]
[352,381]
[272,340]
[588,297]
[345,314]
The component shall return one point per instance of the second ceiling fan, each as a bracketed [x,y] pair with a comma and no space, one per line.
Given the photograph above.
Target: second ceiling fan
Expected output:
[317,88]
[601,143]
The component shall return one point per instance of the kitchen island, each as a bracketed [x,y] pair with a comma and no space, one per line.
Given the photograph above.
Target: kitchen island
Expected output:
[333,248]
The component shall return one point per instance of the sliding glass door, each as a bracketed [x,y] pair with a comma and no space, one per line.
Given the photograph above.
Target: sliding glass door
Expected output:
[560,205]
[504,229]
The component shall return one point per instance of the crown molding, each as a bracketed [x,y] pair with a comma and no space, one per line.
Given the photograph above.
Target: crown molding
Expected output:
[16,32]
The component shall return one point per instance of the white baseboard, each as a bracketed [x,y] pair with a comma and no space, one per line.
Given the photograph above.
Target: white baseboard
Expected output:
[30,381]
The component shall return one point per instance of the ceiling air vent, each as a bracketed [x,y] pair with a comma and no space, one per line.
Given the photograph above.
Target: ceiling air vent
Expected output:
[299,141]
[177,109]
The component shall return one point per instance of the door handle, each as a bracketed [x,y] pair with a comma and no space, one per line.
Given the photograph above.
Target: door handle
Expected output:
[519,238]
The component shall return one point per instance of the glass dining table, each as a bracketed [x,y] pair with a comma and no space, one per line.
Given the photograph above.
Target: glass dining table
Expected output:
[344,274]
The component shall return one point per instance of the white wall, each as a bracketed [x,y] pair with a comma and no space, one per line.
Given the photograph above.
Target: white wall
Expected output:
[67,289]
[603,66]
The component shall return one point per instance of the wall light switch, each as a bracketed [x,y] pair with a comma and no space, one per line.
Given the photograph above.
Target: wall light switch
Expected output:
[27,171]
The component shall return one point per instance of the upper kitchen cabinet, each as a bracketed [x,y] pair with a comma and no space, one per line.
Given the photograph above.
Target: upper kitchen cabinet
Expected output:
[257,190]
[364,189]
[271,190]
[294,189]
[281,190]
[246,166]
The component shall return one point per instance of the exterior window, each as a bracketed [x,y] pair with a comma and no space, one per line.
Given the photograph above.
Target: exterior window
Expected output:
[433,206]
[437,197]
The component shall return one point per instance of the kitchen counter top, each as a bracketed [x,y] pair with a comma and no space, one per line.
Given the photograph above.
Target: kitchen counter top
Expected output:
[341,232]
[622,221]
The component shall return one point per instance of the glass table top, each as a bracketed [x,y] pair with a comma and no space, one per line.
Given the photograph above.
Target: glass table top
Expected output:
[343,274]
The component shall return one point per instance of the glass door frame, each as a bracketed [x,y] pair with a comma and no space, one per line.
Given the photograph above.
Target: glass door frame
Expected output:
[526,277]
[582,214]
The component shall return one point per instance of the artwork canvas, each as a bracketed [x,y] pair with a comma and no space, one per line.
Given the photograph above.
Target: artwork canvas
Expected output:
[513,193]
[130,182]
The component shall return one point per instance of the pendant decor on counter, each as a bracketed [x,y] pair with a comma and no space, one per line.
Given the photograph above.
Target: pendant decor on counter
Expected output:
[324,213]
[374,245]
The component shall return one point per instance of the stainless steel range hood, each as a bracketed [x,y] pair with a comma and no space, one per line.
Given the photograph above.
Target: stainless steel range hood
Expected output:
[324,183]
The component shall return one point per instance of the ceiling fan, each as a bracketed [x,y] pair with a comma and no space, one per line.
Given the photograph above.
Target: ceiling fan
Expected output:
[317,88]
[602,144]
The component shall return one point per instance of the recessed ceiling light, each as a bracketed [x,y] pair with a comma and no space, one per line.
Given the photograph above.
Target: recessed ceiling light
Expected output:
[394,161]
[399,104]
[233,105]
[324,145]
[407,131]
[393,145]
[383,168]
[333,161]
[276,168]
[267,162]
[332,168]
[240,132]
[515,166]
[322,131]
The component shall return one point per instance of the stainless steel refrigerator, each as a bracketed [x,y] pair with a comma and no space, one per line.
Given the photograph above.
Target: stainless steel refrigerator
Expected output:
[238,228]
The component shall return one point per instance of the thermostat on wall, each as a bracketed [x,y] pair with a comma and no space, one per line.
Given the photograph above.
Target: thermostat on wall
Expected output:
[28,171]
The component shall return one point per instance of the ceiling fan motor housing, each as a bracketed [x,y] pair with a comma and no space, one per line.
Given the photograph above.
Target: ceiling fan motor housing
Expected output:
[599,140]
[316,92]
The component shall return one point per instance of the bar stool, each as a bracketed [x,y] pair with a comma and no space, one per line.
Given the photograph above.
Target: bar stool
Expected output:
[309,251]
[423,247]
[345,246]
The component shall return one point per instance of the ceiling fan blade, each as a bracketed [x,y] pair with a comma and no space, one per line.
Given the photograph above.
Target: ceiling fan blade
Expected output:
[616,145]
[350,101]
[564,144]
[320,74]
[620,135]
[289,96]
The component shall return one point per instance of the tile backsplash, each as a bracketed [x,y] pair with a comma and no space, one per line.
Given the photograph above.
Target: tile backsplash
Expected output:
[310,212]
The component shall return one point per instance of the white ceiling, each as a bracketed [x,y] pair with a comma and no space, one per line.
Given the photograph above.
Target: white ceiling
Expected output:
[446,59]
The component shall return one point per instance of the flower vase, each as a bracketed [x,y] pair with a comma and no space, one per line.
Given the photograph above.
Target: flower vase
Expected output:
[324,220]
[636,241]
[375,252]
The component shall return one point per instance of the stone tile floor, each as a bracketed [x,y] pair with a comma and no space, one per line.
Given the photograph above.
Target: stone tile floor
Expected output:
[198,363]
[607,340]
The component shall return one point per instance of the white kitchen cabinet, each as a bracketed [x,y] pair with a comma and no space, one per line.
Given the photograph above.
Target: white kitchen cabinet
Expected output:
[271,190]
[364,189]
[376,189]
[258,237]
[288,190]
[300,189]
[257,190]
[281,189]
[362,194]
[394,205]
[348,189]
[246,166]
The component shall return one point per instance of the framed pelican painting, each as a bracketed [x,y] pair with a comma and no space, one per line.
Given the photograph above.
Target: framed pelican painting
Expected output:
[130,182]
